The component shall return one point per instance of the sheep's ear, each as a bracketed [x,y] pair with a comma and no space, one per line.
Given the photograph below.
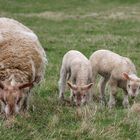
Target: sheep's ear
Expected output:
[87,87]
[25,85]
[126,76]
[1,85]
[71,86]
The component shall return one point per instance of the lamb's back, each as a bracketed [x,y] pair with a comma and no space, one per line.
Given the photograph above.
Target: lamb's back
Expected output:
[107,62]
[78,65]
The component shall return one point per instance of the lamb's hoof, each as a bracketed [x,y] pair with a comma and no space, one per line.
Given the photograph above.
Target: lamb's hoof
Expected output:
[126,104]
[111,105]
[103,103]
[61,100]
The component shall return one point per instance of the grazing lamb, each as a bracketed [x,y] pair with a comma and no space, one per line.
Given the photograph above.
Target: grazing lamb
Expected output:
[76,67]
[22,63]
[119,71]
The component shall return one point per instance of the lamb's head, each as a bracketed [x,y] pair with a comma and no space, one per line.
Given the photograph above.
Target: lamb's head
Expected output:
[11,97]
[133,85]
[79,94]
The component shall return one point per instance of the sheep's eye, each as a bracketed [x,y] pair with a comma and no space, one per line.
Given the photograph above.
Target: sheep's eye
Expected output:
[129,86]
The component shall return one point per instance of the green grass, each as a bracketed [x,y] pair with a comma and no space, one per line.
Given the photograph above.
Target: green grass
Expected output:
[84,25]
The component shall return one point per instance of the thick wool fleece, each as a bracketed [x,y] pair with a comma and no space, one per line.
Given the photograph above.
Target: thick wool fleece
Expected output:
[21,54]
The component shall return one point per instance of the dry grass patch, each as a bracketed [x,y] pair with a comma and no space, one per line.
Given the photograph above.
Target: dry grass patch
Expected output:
[119,13]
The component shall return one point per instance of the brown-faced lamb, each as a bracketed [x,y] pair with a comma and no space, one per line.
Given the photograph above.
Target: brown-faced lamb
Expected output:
[76,68]
[22,64]
[118,71]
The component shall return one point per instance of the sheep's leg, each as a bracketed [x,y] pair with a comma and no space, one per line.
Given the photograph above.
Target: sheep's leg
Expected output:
[113,88]
[102,85]
[125,100]
[25,106]
[2,107]
[62,83]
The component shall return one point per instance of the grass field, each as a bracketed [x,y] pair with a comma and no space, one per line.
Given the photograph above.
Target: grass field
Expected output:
[84,25]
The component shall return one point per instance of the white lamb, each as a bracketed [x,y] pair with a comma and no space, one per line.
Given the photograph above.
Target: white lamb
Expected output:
[22,63]
[76,67]
[119,71]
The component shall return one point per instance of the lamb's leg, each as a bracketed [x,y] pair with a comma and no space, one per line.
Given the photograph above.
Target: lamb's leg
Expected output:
[102,85]
[73,79]
[93,80]
[62,83]
[125,100]
[113,88]
[71,99]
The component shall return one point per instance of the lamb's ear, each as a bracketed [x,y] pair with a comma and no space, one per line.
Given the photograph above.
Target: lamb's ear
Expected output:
[73,87]
[125,76]
[25,85]
[87,87]
[1,85]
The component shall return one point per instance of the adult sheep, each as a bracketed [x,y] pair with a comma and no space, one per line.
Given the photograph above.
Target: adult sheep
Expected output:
[22,63]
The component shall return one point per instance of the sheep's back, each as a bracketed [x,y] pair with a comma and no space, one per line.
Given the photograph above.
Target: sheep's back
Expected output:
[22,55]
[11,24]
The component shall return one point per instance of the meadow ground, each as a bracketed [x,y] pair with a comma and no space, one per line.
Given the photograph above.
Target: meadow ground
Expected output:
[84,25]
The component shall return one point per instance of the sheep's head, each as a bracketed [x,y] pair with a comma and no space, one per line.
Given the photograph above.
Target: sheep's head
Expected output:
[11,96]
[79,94]
[133,85]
